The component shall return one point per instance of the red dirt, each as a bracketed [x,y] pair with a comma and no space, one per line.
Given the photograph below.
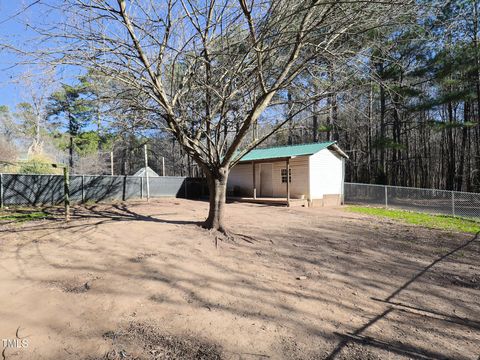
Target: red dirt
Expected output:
[144,281]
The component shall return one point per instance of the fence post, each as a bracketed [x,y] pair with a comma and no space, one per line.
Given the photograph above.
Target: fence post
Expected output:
[111,163]
[146,172]
[66,189]
[124,190]
[186,193]
[1,191]
[453,203]
[386,197]
[83,189]
[53,199]
[141,187]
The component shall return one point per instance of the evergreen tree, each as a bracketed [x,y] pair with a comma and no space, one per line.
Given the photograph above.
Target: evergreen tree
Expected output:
[69,108]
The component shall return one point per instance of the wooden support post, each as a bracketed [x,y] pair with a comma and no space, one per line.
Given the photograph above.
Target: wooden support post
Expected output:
[1,191]
[288,182]
[83,189]
[66,188]
[146,172]
[111,163]
[254,181]
[124,188]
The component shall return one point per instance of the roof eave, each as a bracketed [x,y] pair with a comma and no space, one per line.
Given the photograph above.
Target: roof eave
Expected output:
[337,149]
[283,158]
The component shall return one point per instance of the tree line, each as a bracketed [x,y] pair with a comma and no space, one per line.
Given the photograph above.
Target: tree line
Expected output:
[396,83]
[409,117]
[415,119]
[76,125]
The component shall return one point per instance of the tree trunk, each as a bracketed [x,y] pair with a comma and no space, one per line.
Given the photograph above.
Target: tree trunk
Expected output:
[217,185]
[290,118]
[70,153]
[382,175]
[450,174]
[315,115]
[476,175]
[315,128]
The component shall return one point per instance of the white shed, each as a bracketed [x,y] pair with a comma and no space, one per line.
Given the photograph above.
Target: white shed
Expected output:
[316,175]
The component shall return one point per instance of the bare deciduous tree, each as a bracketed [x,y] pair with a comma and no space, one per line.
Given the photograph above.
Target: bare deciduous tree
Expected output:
[8,153]
[36,88]
[209,71]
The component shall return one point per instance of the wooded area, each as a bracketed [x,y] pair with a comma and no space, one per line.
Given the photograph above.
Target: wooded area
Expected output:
[396,83]
[416,121]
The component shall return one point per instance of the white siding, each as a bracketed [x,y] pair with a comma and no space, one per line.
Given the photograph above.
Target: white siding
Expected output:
[326,174]
[299,184]
[241,178]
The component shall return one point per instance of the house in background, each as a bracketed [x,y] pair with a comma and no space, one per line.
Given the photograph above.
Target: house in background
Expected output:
[308,175]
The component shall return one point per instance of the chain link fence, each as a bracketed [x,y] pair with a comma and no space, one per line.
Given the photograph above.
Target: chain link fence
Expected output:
[39,190]
[443,202]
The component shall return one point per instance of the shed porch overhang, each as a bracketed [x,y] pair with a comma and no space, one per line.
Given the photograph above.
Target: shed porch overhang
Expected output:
[270,160]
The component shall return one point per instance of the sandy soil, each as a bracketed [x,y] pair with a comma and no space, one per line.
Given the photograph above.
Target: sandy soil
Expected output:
[144,281]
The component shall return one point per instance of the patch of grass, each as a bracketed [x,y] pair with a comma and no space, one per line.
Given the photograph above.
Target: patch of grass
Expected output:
[23,216]
[422,219]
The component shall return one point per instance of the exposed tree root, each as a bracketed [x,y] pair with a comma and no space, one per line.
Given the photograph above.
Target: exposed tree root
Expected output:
[223,234]
[245,238]
[228,236]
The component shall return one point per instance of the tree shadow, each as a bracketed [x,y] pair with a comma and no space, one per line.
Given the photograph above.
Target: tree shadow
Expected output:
[103,215]
[123,212]
[405,349]
[262,296]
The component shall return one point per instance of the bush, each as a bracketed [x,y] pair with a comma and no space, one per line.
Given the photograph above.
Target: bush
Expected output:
[37,165]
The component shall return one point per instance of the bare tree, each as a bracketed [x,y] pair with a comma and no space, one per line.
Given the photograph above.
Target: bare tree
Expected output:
[209,71]
[8,131]
[8,127]
[36,87]
[8,152]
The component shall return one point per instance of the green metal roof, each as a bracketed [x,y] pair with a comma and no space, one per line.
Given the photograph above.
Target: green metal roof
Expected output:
[285,151]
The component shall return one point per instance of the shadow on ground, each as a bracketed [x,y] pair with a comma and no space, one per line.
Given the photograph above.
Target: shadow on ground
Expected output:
[368,290]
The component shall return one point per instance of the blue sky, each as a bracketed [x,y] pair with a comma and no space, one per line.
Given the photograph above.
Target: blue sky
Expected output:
[14,31]
[10,29]
[9,93]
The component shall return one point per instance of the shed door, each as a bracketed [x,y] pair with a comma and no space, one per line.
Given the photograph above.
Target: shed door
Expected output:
[266,179]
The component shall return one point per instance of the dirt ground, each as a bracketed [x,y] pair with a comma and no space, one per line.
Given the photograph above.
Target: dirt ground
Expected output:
[144,281]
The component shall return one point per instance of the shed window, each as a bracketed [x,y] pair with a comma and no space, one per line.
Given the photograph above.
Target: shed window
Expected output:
[284,176]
